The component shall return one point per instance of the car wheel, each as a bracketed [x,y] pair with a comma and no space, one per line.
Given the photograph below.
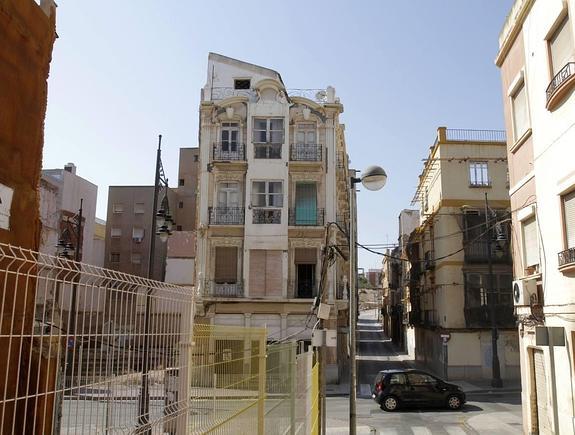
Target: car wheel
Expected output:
[454,402]
[389,404]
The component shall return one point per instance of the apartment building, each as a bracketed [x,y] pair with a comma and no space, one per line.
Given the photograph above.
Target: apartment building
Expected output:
[129,231]
[62,192]
[450,291]
[537,61]
[273,177]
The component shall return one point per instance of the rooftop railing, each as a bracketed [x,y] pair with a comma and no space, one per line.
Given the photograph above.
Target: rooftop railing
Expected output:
[458,134]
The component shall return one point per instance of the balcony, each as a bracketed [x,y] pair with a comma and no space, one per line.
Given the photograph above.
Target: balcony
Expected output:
[268,150]
[561,84]
[480,317]
[228,152]
[300,152]
[306,217]
[476,252]
[226,215]
[223,290]
[267,216]
[567,259]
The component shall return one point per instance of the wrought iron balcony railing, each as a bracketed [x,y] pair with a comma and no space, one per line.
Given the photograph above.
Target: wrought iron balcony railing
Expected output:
[560,79]
[476,252]
[228,152]
[567,257]
[223,290]
[301,152]
[306,217]
[226,215]
[267,150]
[267,216]
[480,317]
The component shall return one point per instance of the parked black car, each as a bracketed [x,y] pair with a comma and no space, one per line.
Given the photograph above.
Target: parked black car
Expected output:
[393,389]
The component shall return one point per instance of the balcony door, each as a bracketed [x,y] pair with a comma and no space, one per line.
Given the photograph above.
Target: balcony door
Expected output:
[306,204]
[230,136]
[305,263]
[228,195]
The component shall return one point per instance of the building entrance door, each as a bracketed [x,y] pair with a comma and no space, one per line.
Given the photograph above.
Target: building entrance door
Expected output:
[305,280]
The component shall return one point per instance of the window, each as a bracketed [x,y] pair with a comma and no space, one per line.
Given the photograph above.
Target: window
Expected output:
[116,232]
[477,292]
[267,194]
[530,242]
[268,137]
[520,113]
[478,174]
[420,379]
[226,268]
[137,234]
[569,219]
[264,277]
[136,258]
[241,83]
[228,195]
[180,204]
[178,228]
[306,134]
[118,208]
[397,379]
[196,158]
[139,208]
[230,135]
[181,182]
[114,257]
[561,46]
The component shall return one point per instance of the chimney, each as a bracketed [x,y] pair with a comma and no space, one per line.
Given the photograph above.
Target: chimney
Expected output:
[70,167]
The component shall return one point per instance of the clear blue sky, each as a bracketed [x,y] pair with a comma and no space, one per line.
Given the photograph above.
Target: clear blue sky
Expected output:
[124,71]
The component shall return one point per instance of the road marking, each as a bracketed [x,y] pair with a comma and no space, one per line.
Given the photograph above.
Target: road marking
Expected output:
[420,430]
[455,430]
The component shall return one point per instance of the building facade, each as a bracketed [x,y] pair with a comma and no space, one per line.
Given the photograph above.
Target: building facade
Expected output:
[451,289]
[129,231]
[537,61]
[273,177]
[61,193]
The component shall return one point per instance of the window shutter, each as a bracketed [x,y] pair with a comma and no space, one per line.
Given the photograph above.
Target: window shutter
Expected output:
[530,244]
[257,273]
[561,46]
[274,273]
[569,216]
[305,256]
[520,114]
[226,265]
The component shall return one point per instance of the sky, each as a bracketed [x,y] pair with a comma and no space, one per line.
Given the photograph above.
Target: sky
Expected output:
[123,72]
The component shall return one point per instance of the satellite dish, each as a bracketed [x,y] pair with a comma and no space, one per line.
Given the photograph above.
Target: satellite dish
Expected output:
[516,293]
[320,95]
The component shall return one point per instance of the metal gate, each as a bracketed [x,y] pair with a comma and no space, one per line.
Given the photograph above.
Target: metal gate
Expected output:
[543,417]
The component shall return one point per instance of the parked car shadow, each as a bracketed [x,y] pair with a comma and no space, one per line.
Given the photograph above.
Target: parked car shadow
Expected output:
[464,409]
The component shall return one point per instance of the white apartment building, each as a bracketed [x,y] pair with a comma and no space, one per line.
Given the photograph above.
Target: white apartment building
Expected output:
[273,175]
[537,61]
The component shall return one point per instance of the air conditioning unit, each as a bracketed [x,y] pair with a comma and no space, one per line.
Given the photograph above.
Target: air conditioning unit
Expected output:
[524,292]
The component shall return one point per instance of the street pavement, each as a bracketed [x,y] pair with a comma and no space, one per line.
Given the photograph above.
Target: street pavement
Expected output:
[486,412]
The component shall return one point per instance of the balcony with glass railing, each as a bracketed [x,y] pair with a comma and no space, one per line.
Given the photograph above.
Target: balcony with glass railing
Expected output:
[267,216]
[226,215]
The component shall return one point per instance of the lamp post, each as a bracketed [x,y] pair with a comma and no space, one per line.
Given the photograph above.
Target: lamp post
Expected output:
[373,178]
[161,226]
[69,251]
[495,369]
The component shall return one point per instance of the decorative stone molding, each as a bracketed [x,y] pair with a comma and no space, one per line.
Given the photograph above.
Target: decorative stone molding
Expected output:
[305,243]
[306,176]
[226,176]
[219,242]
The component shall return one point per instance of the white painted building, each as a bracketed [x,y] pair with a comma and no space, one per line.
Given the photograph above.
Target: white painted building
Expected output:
[537,61]
[273,174]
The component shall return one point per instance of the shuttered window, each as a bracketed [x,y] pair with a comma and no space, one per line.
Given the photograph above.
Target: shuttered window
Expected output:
[305,256]
[266,273]
[569,217]
[561,46]
[530,244]
[226,265]
[520,114]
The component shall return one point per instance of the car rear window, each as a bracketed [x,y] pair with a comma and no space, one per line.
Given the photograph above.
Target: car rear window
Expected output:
[397,378]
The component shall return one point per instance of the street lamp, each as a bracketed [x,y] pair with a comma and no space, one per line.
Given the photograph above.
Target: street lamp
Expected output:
[162,223]
[373,178]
